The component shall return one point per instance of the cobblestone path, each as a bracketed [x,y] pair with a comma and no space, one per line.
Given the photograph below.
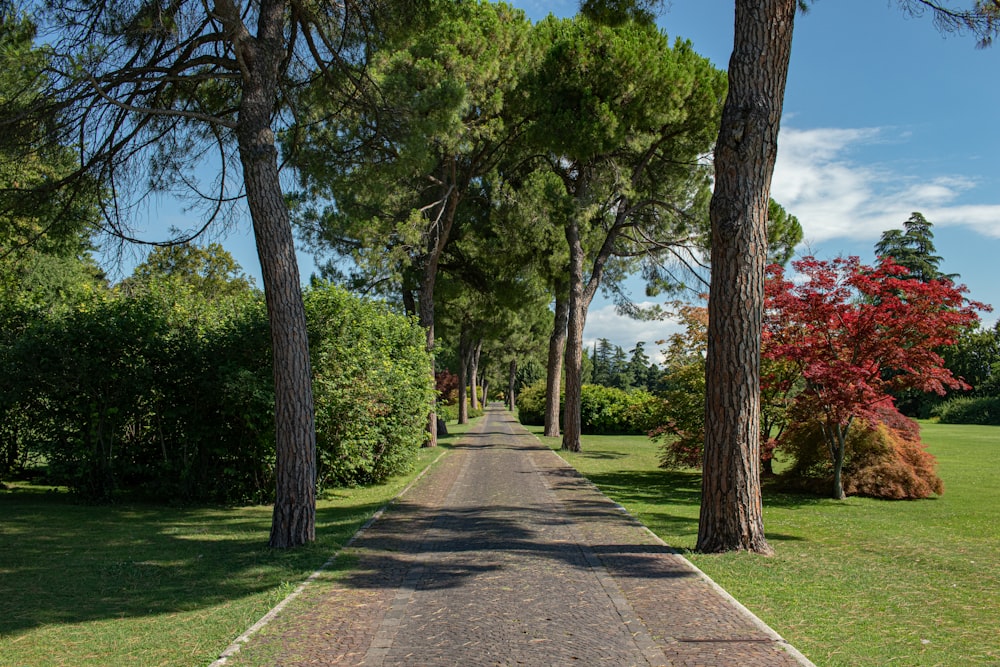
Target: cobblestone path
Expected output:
[503,555]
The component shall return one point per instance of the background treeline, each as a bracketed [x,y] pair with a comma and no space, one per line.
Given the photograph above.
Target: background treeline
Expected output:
[617,395]
[162,386]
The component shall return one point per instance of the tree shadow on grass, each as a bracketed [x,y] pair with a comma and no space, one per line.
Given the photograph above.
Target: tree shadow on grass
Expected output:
[660,487]
[64,563]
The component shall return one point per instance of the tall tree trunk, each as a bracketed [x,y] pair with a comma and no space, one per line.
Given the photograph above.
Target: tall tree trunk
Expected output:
[511,382]
[294,518]
[435,242]
[463,376]
[426,319]
[557,348]
[731,516]
[574,339]
[476,351]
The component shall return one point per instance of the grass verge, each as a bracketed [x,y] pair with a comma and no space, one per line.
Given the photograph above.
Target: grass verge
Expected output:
[859,582]
[151,585]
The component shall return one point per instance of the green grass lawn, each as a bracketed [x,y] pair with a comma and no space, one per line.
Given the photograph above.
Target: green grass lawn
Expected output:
[856,582]
[151,585]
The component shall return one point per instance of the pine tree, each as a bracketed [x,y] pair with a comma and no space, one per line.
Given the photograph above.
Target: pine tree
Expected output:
[913,248]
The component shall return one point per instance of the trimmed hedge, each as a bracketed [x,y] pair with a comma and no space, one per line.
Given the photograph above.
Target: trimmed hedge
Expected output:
[603,410]
[984,411]
[166,394]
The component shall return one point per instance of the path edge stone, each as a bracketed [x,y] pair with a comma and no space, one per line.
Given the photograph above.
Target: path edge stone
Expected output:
[247,634]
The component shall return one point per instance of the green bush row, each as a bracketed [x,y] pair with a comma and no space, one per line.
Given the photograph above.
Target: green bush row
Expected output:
[168,395]
[449,413]
[603,410]
[984,410]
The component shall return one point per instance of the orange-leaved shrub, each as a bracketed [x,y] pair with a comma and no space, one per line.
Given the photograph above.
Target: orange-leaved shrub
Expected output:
[885,459]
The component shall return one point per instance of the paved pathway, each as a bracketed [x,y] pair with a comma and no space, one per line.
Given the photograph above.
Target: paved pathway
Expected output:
[503,555]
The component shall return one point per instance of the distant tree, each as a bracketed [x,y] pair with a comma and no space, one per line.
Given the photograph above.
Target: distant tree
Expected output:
[210,271]
[784,232]
[603,373]
[913,248]
[639,367]
[622,119]
[975,358]
[857,333]
[621,375]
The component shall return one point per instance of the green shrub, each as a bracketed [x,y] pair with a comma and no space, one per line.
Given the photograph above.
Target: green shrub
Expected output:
[531,404]
[372,387]
[449,413]
[152,393]
[163,393]
[603,410]
[984,411]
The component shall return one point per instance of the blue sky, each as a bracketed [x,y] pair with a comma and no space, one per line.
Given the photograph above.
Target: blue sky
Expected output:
[883,115]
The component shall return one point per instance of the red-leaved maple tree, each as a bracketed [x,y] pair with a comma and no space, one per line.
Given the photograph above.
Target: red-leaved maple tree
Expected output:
[858,333]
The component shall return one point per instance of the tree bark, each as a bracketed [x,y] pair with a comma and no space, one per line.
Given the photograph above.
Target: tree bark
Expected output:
[836,442]
[731,517]
[463,376]
[476,352]
[294,518]
[574,339]
[511,382]
[426,304]
[557,348]
[473,381]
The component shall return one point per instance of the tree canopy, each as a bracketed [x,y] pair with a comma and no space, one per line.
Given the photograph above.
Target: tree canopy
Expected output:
[622,118]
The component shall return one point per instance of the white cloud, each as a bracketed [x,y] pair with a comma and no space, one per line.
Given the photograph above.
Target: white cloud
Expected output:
[983,219]
[816,179]
[604,322]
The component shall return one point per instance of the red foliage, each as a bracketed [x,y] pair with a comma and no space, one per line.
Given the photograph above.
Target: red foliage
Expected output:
[446,384]
[882,460]
[894,464]
[858,333]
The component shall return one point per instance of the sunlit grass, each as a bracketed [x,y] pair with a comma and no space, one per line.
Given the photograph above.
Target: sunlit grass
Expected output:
[856,582]
[152,585]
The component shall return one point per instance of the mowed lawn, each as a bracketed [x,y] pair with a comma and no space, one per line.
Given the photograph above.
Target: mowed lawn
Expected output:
[857,582]
[144,585]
